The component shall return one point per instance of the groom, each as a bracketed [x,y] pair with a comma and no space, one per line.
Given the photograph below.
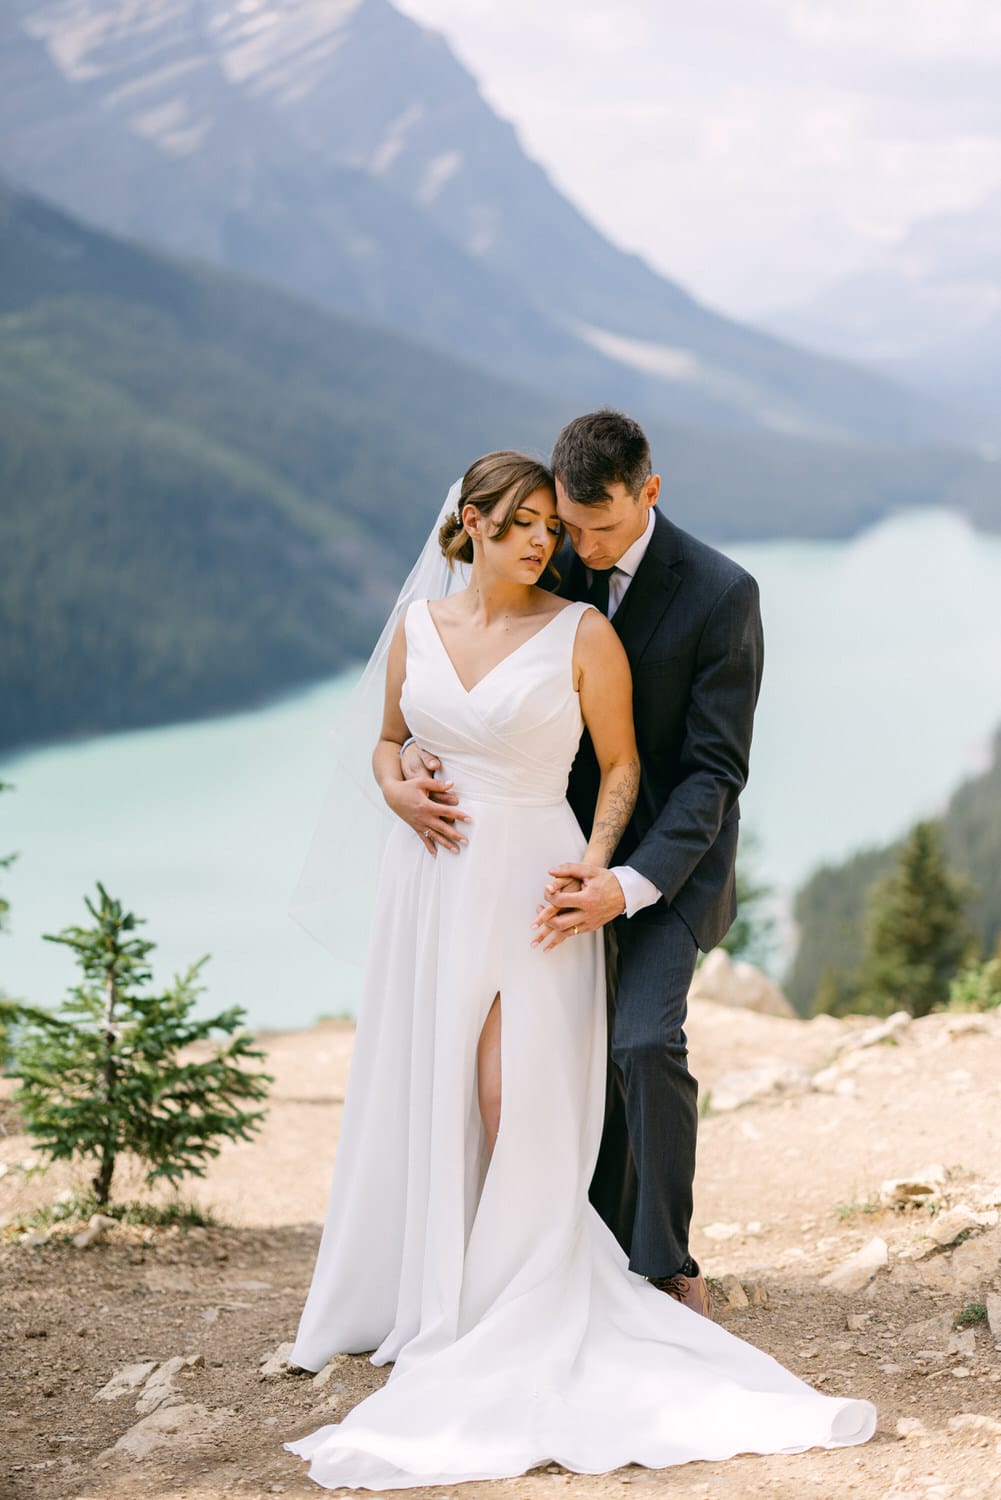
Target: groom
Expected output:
[688,618]
[689,621]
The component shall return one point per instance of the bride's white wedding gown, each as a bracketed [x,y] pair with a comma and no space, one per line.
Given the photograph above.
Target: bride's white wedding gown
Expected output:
[518,1332]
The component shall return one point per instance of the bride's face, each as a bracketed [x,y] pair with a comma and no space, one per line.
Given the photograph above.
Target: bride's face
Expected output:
[522,554]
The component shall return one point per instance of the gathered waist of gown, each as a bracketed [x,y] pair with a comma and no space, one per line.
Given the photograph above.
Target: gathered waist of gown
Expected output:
[471,788]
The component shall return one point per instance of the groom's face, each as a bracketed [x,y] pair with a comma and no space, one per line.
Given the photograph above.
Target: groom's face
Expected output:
[601,533]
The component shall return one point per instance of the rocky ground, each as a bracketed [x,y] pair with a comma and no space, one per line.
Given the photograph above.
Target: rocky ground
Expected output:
[849,1193]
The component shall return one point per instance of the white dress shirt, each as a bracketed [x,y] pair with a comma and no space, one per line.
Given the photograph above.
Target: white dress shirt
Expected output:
[637,890]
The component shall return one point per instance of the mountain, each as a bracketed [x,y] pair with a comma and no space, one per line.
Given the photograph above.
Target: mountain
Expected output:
[210,490]
[830,908]
[340,150]
[928,311]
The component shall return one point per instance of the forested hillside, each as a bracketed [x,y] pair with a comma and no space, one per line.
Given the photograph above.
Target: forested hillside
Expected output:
[343,153]
[209,490]
[830,907]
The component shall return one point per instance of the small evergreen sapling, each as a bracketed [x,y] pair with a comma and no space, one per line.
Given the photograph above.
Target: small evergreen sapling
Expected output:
[919,935]
[111,1072]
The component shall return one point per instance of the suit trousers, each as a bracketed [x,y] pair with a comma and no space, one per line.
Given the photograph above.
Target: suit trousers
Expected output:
[642,1184]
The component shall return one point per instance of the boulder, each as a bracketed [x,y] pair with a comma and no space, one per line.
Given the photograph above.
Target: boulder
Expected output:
[911,1427]
[739,1088]
[321,1377]
[732,1291]
[277,1363]
[947,1228]
[905,1192]
[168,1426]
[737,983]
[855,1273]
[160,1387]
[874,1036]
[97,1224]
[993,1303]
[126,1380]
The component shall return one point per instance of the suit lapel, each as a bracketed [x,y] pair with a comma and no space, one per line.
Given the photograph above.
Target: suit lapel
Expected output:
[651,591]
[573,575]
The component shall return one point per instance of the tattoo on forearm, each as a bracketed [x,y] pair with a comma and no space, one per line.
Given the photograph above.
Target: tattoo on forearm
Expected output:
[620,799]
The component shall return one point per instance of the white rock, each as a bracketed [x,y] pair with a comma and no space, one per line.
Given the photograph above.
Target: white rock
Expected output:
[739,984]
[931,1332]
[96,1226]
[32,1238]
[168,1425]
[973,1025]
[277,1362]
[973,1421]
[735,1089]
[734,1292]
[993,1304]
[321,1378]
[160,1389]
[911,1427]
[963,1342]
[721,1231]
[946,1228]
[919,1187]
[126,1380]
[884,1031]
[858,1270]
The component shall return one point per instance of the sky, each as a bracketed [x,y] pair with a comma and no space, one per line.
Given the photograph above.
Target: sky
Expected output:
[755,150]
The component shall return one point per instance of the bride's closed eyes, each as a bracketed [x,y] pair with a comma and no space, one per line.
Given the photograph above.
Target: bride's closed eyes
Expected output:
[554,529]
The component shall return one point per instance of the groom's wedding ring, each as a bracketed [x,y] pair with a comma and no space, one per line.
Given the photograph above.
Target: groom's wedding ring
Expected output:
[575,931]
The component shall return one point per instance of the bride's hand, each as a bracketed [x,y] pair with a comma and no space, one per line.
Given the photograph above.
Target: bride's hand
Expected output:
[420,802]
[592,898]
[546,911]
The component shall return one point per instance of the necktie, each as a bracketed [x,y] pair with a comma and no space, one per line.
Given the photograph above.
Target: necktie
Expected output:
[597,594]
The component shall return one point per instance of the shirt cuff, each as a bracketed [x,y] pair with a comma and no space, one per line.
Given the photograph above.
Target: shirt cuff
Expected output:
[637,890]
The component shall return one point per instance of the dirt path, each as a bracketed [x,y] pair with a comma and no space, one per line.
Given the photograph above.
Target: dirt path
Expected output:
[788,1188]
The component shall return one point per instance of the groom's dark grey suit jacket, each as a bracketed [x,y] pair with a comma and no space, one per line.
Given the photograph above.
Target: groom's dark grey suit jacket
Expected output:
[691,627]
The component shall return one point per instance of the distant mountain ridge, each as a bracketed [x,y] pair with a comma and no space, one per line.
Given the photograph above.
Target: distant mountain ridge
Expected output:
[210,490]
[927,311]
[340,150]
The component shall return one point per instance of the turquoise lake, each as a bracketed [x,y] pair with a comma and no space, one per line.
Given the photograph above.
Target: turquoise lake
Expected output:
[882,689]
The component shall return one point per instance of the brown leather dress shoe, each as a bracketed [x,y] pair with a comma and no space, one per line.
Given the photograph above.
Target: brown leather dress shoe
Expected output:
[691,1291]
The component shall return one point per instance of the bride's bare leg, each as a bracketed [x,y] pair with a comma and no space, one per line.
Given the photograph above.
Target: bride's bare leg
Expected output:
[488,1073]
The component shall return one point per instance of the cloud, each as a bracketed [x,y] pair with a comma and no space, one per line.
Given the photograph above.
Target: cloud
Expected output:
[752,148]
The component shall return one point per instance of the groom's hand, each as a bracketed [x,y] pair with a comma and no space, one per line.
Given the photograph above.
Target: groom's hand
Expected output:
[582,898]
[417,764]
[427,806]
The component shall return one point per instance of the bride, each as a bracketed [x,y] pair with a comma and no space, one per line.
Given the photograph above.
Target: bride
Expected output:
[459,1242]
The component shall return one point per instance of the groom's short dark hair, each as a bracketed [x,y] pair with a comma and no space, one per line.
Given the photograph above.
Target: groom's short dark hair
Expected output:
[597,450]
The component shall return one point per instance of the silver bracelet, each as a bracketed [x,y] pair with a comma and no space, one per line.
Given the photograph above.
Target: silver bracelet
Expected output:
[406,744]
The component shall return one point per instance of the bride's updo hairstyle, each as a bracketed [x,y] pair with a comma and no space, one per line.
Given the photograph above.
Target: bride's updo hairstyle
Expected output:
[497,484]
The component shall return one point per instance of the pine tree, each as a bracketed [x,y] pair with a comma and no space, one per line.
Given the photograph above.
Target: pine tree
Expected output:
[919,935]
[112,1071]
